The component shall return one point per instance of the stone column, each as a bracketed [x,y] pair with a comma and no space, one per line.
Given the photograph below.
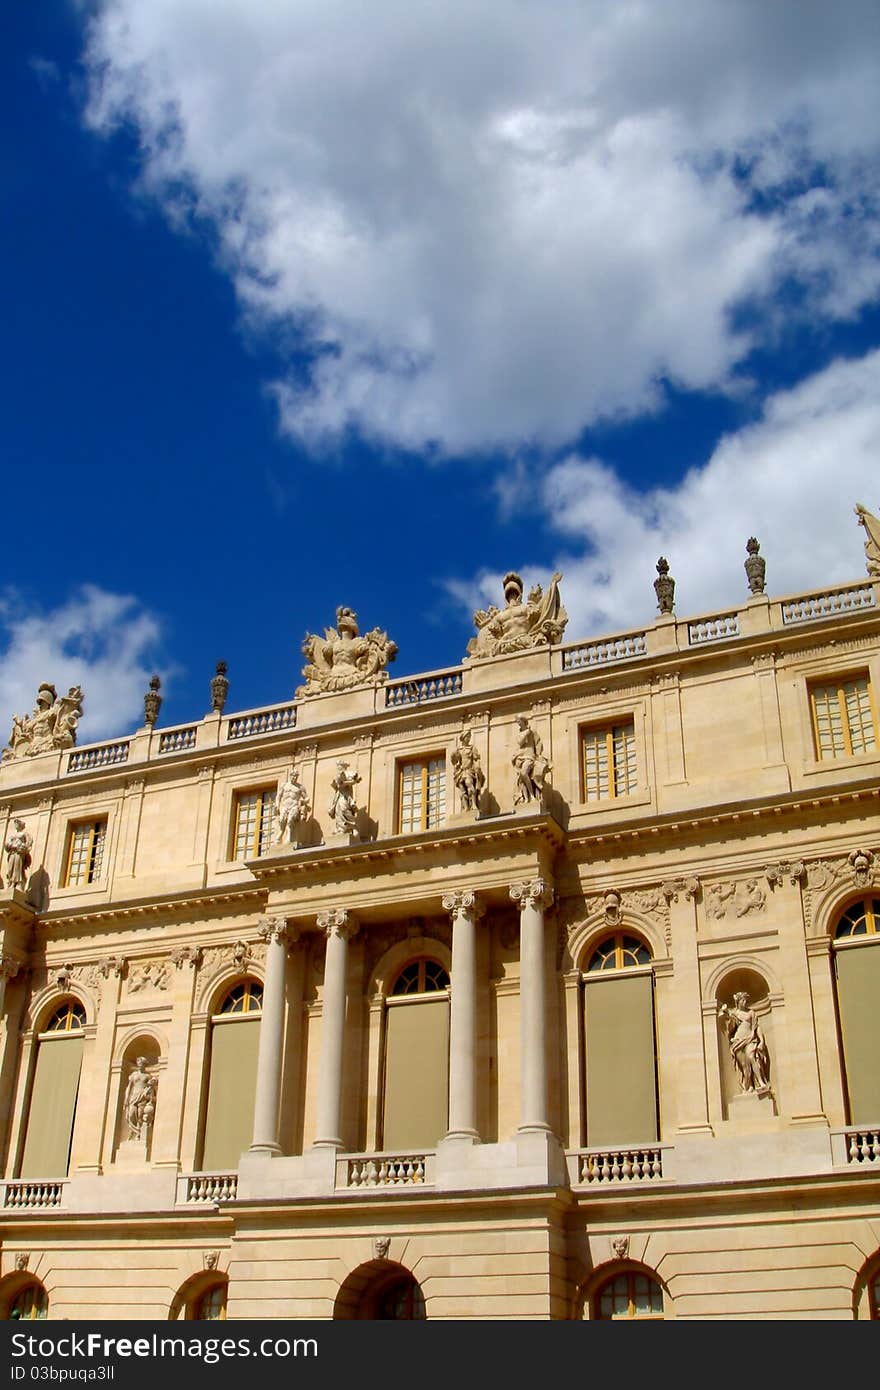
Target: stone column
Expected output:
[532,899]
[340,926]
[276,933]
[465,911]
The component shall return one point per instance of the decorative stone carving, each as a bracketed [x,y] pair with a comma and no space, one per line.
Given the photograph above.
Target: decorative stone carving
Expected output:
[139,1102]
[241,955]
[463,902]
[291,808]
[219,688]
[51,726]
[620,1247]
[689,887]
[152,702]
[872,543]
[381,1246]
[63,976]
[518,627]
[862,863]
[776,874]
[664,586]
[755,566]
[274,929]
[9,968]
[747,1045]
[337,921]
[147,975]
[18,856]
[742,898]
[22,1260]
[536,893]
[529,764]
[343,807]
[611,907]
[823,872]
[112,965]
[210,1259]
[344,659]
[187,955]
[467,774]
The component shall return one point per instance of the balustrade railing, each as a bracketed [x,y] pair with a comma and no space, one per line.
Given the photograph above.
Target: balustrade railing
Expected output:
[604,650]
[858,1145]
[713,629]
[33,1196]
[177,740]
[618,1166]
[99,755]
[262,721]
[828,603]
[211,1187]
[383,1170]
[415,690]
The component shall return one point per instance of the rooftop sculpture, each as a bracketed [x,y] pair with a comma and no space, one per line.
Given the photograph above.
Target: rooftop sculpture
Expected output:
[343,659]
[51,726]
[872,544]
[519,626]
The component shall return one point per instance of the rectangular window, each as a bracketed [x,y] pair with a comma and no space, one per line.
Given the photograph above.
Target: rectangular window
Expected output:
[843,717]
[85,852]
[608,761]
[422,794]
[254,814]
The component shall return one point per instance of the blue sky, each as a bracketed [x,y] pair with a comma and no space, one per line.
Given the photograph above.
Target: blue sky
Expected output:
[317,304]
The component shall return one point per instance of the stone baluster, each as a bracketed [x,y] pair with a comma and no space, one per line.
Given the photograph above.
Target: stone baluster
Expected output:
[340,926]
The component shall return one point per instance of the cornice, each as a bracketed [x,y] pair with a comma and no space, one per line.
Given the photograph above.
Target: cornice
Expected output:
[248,897]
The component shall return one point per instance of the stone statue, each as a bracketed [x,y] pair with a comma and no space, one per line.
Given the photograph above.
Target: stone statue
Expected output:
[291,807]
[747,1046]
[467,773]
[529,763]
[343,659]
[539,622]
[343,807]
[872,544]
[51,726]
[140,1100]
[18,856]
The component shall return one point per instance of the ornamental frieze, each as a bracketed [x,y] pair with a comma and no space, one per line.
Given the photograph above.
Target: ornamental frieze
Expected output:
[737,899]
[146,976]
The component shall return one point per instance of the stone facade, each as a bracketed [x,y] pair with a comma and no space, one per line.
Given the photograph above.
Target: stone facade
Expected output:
[562,975]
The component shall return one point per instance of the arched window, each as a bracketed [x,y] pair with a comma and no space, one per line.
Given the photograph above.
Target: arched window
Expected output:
[201,1299]
[857,976]
[211,1306]
[229,1108]
[416,1073]
[629,1294]
[619,1048]
[53,1093]
[31,1302]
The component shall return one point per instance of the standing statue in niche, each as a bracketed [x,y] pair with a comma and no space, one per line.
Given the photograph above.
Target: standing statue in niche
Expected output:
[18,856]
[343,807]
[344,659]
[747,1046]
[140,1100]
[51,726]
[467,773]
[872,544]
[529,763]
[539,622]
[291,807]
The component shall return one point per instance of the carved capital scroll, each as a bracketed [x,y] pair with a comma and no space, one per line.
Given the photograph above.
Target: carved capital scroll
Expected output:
[536,893]
[338,921]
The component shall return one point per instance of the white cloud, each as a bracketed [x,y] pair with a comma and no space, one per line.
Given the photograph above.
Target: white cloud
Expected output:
[498,222]
[98,640]
[792,479]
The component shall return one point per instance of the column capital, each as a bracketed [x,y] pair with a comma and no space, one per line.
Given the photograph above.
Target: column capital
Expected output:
[112,965]
[466,901]
[9,968]
[274,930]
[536,892]
[338,921]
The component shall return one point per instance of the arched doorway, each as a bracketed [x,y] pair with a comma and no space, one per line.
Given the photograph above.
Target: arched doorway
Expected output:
[380,1291]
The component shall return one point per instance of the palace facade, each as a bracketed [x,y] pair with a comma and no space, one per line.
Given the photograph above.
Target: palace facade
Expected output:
[546,986]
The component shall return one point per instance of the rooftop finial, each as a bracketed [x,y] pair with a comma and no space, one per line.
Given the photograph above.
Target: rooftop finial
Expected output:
[664,586]
[755,566]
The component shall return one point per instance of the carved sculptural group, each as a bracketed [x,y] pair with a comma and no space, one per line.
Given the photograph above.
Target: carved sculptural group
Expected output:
[52,725]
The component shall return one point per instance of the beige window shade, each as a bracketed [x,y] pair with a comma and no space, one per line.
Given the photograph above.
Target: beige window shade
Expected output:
[858,998]
[229,1122]
[620,1062]
[52,1108]
[416,1074]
